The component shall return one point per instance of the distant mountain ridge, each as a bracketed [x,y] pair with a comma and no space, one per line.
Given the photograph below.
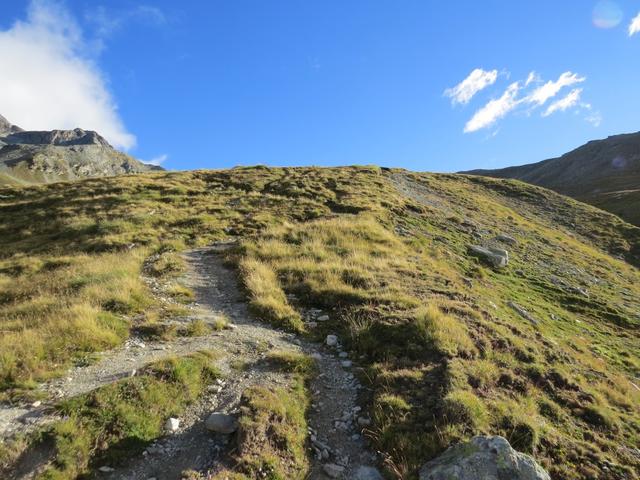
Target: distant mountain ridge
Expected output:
[28,157]
[604,173]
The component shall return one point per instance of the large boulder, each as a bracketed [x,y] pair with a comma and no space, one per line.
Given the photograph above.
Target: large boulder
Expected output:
[496,257]
[486,458]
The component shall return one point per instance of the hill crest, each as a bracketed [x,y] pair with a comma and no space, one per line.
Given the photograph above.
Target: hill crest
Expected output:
[604,173]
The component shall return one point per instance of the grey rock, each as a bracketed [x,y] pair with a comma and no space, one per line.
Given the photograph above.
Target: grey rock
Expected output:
[486,458]
[367,473]
[523,312]
[506,239]
[496,257]
[332,470]
[221,423]
[332,340]
[364,422]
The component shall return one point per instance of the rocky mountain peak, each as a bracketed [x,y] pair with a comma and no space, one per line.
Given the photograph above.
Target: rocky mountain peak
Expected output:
[63,138]
[50,156]
[12,135]
[7,128]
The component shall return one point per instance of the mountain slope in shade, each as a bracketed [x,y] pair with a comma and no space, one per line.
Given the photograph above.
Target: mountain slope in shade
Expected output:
[604,173]
[28,157]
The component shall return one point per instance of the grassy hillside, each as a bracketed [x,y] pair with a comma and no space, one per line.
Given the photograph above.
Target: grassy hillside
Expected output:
[544,352]
[603,173]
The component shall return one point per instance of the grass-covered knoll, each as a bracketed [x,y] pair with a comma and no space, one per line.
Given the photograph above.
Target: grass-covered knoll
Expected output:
[120,419]
[446,351]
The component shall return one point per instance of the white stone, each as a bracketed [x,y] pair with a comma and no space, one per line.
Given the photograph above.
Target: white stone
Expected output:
[172,425]
[221,423]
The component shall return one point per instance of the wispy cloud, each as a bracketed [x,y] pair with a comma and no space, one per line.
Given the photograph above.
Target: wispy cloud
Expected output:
[107,22]
[159,160]
[634,26]
[594,118]
[48,80]
[477,80]
[494,110]
[533,77]
[569,101]
[526,96]
[550,89]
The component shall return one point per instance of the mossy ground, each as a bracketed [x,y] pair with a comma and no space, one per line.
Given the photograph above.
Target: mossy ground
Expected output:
[385,252]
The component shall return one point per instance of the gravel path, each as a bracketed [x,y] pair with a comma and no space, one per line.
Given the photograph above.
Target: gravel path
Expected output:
[337,447]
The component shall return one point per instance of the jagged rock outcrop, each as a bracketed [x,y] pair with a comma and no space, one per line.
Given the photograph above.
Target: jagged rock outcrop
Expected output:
[6,128]
[62,138]
[486,458]
[28,157]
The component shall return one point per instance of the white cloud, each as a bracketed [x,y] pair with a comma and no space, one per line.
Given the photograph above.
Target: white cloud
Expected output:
[594,118]
[529,95]
[634,26]
[569,101]
[159,160]
[550,89]
[107,22]
[533,77]
[477,80]
[494,110]
[48,82]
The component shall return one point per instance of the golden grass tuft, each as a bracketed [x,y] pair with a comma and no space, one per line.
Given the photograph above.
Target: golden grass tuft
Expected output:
[266,296]
[443,331]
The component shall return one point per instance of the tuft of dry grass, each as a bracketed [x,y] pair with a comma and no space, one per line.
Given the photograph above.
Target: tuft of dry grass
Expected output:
[443,332]
[266,296]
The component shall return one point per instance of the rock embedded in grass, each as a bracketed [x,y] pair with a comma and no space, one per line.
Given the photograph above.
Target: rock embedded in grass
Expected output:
[523,312]
[489,458]
[221,423]
[496,257]
[332,340]
[506,239]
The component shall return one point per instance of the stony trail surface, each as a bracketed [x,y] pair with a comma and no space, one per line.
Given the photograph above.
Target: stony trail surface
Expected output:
[335,421]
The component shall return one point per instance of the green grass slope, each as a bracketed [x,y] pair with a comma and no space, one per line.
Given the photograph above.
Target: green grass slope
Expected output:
[445,345]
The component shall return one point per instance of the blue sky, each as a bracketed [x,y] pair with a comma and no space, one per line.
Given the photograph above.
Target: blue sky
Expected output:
[213,84]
